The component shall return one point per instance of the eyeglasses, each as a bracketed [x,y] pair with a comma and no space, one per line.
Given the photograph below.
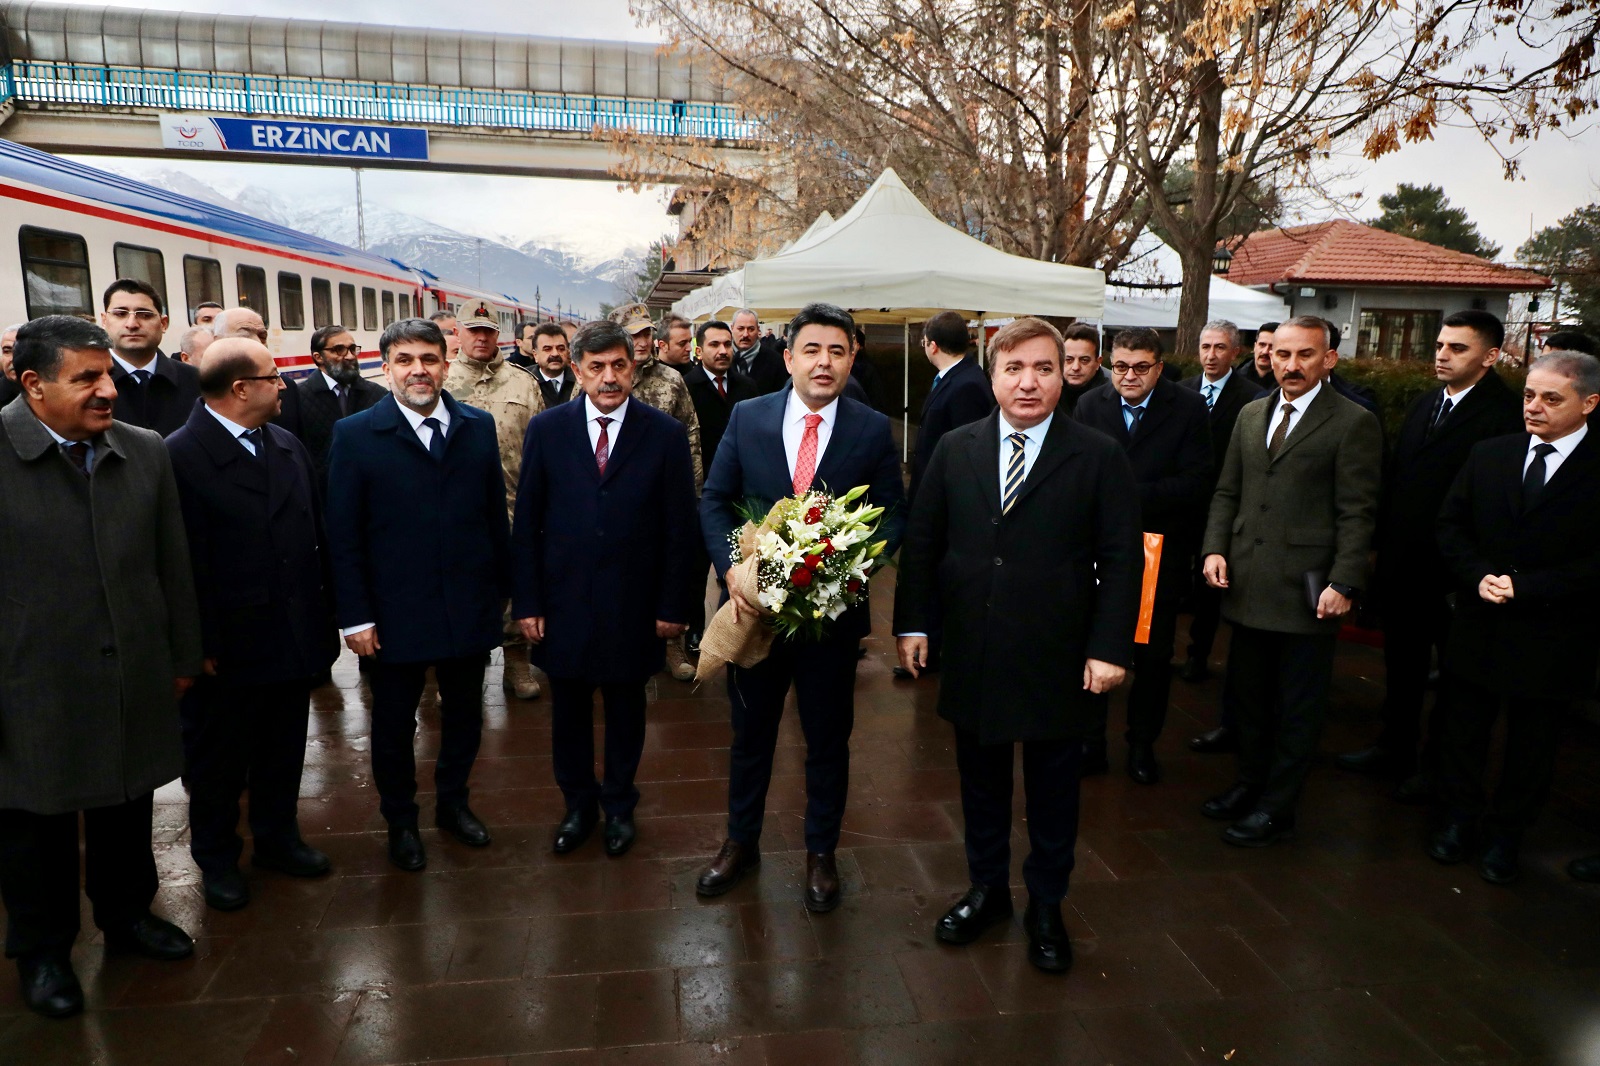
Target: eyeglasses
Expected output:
[274,376]
[139,314]
[1139,369]
[342,349]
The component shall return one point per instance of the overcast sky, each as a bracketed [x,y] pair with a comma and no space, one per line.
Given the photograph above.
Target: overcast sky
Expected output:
[1559,175]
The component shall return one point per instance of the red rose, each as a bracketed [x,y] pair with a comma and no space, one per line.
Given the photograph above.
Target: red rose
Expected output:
[800,578]
[827,546]
[853,586]
[813,516]
[813,561]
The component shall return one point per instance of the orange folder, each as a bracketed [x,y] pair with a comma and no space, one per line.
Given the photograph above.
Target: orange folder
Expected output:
[1147,593]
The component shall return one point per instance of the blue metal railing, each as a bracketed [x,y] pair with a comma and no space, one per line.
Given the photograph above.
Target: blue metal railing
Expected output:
[355,101]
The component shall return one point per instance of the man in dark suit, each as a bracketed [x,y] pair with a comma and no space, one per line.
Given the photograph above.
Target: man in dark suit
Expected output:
[334,390]
[1164,429]
[247,323]
[101,636]
[1258,368]
[552,366]
[1287,540]
[865,374]
[758,358]
[261,574]
[1225,390]
[9,389]
[154,391]
[603,538]
[1440,429]
[808,436]
[1045,594]
[1517,534]
[1082,369]
[522,355]
[418,528]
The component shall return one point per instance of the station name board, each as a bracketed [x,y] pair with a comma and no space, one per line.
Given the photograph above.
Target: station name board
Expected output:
[276,136]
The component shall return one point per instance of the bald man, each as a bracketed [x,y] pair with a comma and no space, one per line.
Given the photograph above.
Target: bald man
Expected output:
[266,612]
[247,322]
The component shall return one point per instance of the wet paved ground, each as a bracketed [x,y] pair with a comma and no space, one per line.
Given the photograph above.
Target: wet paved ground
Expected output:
[1347,946]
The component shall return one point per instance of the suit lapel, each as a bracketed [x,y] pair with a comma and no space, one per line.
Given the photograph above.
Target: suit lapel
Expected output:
[387,418]
[1321,411]
[985,456]
[1058,445]
[841,442]
[769,438]
[624,440]
[1575,470]
[279,469]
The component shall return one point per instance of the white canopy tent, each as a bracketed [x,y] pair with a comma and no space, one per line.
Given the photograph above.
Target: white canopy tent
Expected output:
[1156,277]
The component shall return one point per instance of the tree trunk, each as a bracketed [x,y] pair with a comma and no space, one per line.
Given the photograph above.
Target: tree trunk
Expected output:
[1197,237]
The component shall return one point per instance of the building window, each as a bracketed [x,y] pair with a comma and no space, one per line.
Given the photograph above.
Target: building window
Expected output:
[253,290]
[202,283]
[388,308]
[145,264]
[347,306]
[1397,334]
[56,266]
[321,303]
[291,302]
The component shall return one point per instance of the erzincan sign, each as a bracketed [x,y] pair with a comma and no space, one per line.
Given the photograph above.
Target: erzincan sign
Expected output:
[274,136]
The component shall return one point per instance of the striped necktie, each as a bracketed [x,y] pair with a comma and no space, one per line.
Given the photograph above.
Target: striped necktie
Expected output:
[1014,471]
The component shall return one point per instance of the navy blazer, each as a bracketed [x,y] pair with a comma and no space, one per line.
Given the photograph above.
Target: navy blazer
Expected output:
[601,559]
[319,410]
[420,546]
[261,568]
[962,396]
[164,404]
[752,471]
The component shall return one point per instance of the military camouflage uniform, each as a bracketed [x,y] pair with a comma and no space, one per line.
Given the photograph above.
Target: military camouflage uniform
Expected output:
[510,395]
[662,387]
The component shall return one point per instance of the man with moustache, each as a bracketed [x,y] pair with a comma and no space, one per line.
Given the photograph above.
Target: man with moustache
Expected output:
[552,367]
[673,338]
[1258,368]
[154,391]
[1287,541]
[808,437]
[1440,429]
[417,525]
[1081,369]
[1025,539]
[9,389]
[260,561]
[101,636]
[603,536]
[1517,535]
[758,358]
[334,390]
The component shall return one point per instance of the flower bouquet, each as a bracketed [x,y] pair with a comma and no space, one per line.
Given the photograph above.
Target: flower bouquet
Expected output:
[804,564]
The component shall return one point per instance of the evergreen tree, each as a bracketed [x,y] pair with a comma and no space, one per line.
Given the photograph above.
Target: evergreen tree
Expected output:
[1424,212]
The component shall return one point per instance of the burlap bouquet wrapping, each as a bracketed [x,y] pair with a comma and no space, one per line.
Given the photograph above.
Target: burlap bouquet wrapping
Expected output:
[749,640]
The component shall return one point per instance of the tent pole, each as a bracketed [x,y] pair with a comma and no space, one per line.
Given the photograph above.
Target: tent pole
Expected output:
[905,394]
[982,336]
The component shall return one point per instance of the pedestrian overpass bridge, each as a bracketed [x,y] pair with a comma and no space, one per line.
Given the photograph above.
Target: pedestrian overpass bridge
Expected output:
[119,81]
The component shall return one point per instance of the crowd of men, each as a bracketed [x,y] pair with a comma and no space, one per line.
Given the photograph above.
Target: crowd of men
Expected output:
[222,533]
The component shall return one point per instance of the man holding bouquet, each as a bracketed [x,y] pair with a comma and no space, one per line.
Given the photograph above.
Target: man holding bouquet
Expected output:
[805,437]
[1025,539]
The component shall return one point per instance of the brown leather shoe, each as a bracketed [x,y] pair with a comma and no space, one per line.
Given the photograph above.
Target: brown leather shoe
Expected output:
[822,882]
[732,863]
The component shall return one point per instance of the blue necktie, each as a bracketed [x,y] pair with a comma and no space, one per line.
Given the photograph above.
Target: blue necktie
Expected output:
[435,445]
[1211,394]
[1133,414]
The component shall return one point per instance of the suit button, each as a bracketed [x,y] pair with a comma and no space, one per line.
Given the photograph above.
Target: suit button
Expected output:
[108,651]
[1264,507]
[1260,541]
[998,561]
[996,521]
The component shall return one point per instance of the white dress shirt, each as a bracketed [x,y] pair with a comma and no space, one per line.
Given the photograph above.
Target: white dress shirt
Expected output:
[1030,449]
[333,386]
[1215,387]
[235,430]
[1563,448]
[794,429]
[591,413]
[148,368]
[1301,406]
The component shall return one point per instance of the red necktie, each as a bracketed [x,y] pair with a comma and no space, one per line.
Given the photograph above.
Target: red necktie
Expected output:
[805,463]
[721,389]
[602,447]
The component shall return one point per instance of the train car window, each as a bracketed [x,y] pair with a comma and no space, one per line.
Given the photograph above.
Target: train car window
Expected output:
[388,309]
[347,305]
[321,303]
[291,301]
[405,305]
[56,268]
[253,290]
[202,282]
[146,264]
[369,309]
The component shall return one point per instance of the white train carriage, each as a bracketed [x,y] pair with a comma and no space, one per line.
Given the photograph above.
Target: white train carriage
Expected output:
[78,229]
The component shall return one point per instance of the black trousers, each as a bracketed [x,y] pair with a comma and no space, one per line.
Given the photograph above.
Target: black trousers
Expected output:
[1280,681]
[823,675]
[1151,690]
[1050,784]
[396,691]
[572,743]
[238,737]
[1207,617]
[39,873]
[1415,623]
[1533,729]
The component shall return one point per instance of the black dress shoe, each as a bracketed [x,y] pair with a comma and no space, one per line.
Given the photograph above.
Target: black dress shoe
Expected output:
[297,860]
[574,830]
[1585,869]
[1194,671]
[979,909]
[49,987]
[1499,865]
[152,937]
[619,834]
[1374,760]
[1414,791]
[1232,804]
[1451,843]
[405,848]
[227,891]
[822,882]
[691,642]
[731,864]
[1142,765]
[1094,759]
[1048,946]
[1258,829]
[902,674]
[1218,741]
[461,823]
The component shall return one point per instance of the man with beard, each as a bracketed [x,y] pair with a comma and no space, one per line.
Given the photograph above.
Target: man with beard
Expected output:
[154,391]
[674,338]
[419,538]
[758,358]
[1081,370]
[1258,368]
[552,367]
[8,377]
[334,390]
